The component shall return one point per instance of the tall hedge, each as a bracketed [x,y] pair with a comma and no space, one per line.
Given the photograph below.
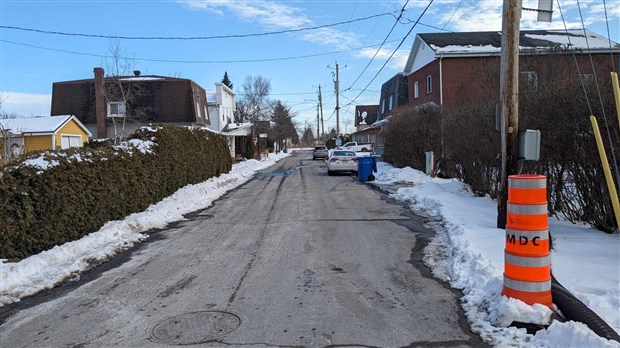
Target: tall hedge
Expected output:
[86,187]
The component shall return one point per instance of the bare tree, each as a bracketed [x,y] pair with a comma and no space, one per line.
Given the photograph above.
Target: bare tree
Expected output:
[255,98]
[5,135]
[347,123]
[9,146]
[119,92]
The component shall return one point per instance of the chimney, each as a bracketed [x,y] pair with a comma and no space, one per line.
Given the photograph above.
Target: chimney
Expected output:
[102,131]
[136,72]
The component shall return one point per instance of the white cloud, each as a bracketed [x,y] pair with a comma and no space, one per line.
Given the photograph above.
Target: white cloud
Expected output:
[276,15]
[271,14]
[486,15]
[331,37]
[26,104]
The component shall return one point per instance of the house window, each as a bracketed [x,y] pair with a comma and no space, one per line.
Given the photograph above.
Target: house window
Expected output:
[429,84]
[390,108]
[116,109]
[383,106]
[198,111]
[416,90]
[528,80]
[67,141]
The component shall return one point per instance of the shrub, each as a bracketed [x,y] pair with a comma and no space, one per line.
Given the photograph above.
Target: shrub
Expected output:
[60,196]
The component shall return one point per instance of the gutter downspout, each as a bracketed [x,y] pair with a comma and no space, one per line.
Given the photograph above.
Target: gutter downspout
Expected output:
[441,126]
[440,82]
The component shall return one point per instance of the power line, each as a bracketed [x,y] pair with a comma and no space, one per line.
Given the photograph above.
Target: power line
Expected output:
[402,10]
[233,36]
[188,61]
[611,54]
[396,49]
[600,97]
[453,13]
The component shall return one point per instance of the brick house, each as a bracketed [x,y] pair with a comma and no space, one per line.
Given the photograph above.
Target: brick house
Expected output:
[394,93]
[102,103]
[450,69]
[365,117]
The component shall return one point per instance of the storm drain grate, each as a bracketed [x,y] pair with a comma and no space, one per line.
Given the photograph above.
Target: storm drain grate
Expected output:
[195,327]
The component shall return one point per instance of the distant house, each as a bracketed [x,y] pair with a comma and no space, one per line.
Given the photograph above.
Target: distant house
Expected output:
[394,93]
[449,69]
[109,105]
[31,134]
[221,105]
[365,116]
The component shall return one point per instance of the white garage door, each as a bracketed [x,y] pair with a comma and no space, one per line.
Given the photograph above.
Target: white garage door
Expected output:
[68,141]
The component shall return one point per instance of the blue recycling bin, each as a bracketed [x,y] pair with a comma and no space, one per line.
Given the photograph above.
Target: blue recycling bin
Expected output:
[365,166]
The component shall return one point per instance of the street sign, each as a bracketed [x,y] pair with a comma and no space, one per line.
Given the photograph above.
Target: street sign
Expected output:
[338,142]
[263,135]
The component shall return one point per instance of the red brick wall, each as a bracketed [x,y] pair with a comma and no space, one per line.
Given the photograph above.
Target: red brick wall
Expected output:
[420,75]
[476,79]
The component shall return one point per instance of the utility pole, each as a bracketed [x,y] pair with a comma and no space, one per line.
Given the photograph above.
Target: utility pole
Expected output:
[317,122]
[509,99]
[337,86]
[321,108]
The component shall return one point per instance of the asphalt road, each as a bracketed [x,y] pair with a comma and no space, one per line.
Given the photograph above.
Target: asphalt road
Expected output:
[292,258]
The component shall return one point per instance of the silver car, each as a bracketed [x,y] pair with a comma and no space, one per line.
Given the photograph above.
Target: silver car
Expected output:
[320,151]
[341,161]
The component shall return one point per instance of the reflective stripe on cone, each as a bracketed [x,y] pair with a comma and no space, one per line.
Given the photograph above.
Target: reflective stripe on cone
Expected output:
[528,268]
[526,216]
[528,292]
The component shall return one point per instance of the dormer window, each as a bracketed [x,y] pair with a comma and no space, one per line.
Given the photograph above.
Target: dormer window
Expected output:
[116,109]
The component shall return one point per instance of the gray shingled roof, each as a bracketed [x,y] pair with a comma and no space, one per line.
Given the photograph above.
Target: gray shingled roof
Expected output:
[529,39]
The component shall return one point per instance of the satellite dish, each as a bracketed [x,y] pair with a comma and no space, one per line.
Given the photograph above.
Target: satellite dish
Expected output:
[364,115]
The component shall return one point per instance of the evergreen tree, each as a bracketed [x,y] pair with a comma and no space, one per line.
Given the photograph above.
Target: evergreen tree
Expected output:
[226,80]
[249,148]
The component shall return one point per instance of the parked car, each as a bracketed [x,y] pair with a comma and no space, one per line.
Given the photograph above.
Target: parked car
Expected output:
[341,161]
[320,151]
[357,147]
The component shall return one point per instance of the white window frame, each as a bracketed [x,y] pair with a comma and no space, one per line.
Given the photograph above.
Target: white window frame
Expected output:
[416,90]
[120,105]
[429,84]
[69,137]
[198,111]
[382,105]
[390,102]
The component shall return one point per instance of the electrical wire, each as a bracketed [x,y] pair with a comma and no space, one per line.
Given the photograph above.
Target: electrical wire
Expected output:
[233,36]
[402,10]
[611,54]
[188,61]
[394,52]
[600,97]
[583,86]
[453,13]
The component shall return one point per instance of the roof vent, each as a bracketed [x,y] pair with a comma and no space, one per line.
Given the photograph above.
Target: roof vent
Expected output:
[136,72]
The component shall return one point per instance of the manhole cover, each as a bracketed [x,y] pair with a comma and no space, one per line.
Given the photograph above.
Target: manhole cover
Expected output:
[196,327]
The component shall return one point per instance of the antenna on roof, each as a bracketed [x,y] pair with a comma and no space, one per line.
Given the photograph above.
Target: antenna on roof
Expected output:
[545,10]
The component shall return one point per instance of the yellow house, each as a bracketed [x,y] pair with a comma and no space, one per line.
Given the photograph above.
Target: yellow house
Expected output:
[31,134]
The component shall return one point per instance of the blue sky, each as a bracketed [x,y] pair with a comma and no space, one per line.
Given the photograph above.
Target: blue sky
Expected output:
[27,72]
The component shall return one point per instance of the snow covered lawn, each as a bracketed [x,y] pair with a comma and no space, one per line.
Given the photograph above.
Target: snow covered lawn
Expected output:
[468,252]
